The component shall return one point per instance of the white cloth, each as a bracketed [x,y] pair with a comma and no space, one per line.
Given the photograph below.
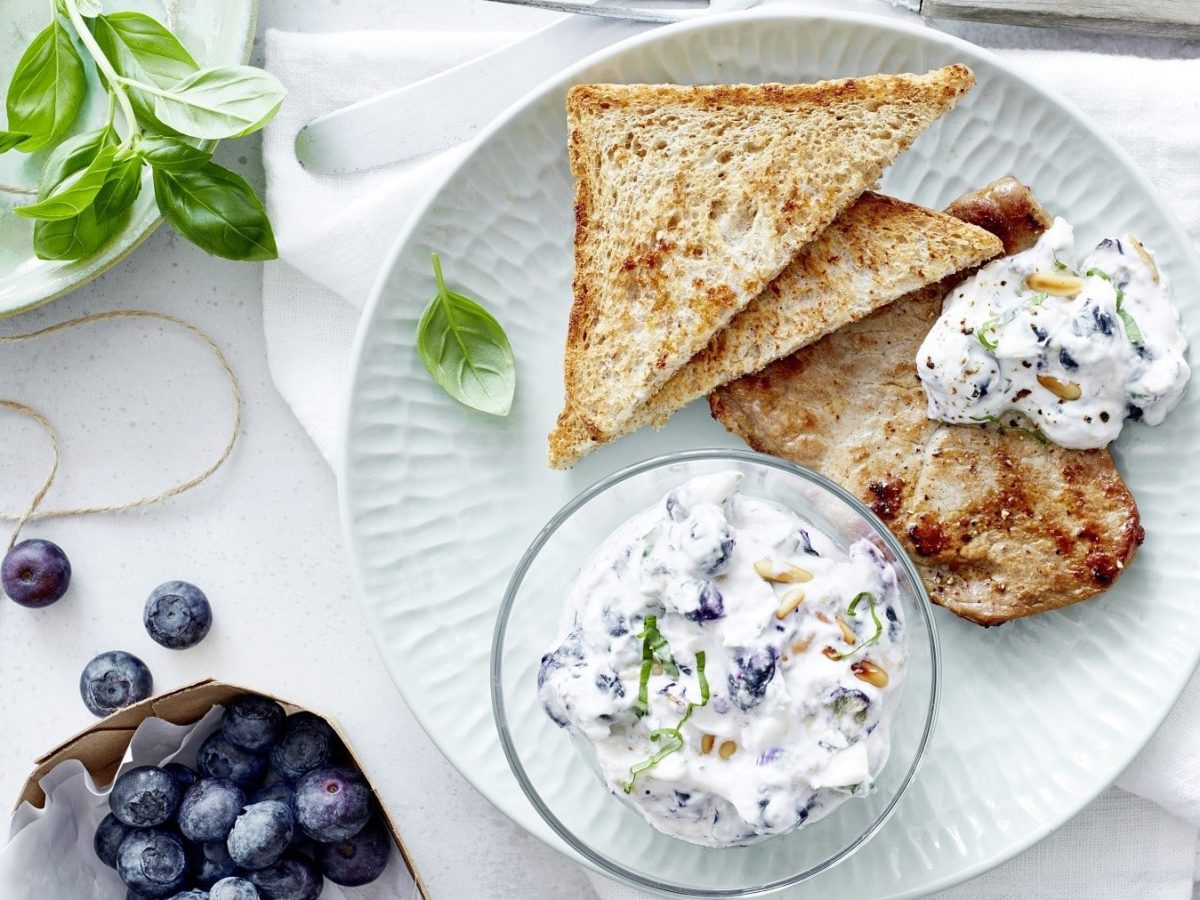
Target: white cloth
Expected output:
[334,232]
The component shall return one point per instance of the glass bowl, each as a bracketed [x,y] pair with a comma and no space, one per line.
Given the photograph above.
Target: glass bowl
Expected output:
[561,781]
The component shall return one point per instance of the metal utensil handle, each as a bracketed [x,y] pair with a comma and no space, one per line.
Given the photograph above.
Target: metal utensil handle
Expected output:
[1160,18]
[632,11]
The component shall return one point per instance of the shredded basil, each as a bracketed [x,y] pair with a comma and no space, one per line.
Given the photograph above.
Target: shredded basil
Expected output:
[1058,263]
[850,610]
[1131,326]
[673,736]
[1003,319]
[1032,432]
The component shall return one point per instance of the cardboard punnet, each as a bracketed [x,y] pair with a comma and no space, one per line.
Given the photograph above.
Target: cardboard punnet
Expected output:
[102,747]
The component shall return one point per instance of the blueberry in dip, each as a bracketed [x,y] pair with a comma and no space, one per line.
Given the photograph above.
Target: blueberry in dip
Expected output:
[732,669]
[1071,349]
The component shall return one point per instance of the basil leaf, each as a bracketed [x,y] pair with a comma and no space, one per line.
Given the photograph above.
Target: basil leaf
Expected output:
[466,351]
[71,197]
[47,88]
[122,184]
[222,102]
[142,49]
[172,154]
[74,238]
[73,154]
[10,139]
[1132,331]
[216,210]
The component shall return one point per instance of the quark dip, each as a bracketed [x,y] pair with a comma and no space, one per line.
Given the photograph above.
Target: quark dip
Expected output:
[1076,349]
[733,670]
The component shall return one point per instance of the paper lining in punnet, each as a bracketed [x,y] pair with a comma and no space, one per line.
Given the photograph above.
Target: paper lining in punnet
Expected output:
[49,852]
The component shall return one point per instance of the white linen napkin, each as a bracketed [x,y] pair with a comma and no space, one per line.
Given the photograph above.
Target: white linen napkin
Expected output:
[334,232]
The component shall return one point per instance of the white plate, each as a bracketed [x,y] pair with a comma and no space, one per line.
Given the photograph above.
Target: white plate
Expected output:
[216,32]
[439,502]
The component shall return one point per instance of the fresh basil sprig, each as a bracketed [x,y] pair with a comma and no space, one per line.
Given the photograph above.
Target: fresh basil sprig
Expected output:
[168,108]
[466,350]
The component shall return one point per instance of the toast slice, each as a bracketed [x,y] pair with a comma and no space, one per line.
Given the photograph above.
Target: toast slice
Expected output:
[879,249]
[999,525]
[690,200]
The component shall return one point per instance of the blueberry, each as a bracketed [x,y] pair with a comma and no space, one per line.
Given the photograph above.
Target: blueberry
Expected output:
[276,790]
[261,834]
[710,605]
[184,777]
[144,797]
[209,808]
[295,877]
[109,834]
[218,758]
[152,863]
[193,894]
[113,681]
[357,860]
[210,862]
[177,615]
[332,803]
[304,742]
[35,573]
[752,672]
[233,889]
[252,722]
[850,708]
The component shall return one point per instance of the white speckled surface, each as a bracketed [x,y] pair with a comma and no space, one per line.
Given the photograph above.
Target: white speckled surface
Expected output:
[263,539]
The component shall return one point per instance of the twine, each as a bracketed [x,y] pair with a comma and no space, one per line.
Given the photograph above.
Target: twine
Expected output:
[33,512]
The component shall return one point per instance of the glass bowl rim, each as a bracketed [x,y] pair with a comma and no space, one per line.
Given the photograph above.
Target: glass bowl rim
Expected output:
[600,861]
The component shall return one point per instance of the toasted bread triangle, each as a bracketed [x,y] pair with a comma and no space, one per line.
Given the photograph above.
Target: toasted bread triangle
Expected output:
[690,200]
[876,251]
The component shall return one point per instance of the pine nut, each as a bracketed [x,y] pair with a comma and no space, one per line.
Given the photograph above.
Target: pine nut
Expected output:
[867,671]
[706,744]
[1066,390]
[830,653]
[1059,284]
[781,573]
[1146,257]
[727,749]
[802,646]
[848,634]
[791,600]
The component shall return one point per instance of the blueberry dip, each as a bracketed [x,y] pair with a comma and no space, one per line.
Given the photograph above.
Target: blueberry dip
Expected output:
[1075,349]
[731,668]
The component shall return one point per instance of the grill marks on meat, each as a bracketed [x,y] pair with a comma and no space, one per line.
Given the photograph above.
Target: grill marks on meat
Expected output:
[999,525]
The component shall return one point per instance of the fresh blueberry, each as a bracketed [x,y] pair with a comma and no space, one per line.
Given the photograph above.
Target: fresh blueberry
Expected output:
[357,860]
[261,834]
[184,777]
[252,722]
[304,742]
[218,758]
[152,863]
[850,711]
[193,894]
[209,808]
[177,615]
[35,573]
[109,834]
[332,803]
[276,790]
[144,797]
[233,889]
[295,877]
[210,862]
[113,681]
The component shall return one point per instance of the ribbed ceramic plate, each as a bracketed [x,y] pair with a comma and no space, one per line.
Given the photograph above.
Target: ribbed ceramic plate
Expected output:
[217,32]
[439,502]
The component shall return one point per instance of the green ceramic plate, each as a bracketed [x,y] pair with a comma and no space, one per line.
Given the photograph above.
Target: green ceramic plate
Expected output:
[217,32]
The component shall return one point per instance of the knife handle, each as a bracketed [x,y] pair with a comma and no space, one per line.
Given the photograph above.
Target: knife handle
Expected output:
[1159,18]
